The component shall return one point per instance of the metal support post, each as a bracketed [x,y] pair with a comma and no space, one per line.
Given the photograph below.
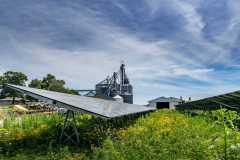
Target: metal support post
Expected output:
[69,133]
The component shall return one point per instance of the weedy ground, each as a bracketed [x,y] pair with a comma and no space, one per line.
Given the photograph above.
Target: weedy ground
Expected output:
[163,135]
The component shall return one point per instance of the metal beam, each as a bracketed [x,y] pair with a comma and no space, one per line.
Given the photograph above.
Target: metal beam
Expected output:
[69,133]
[96,106]
[85,90]
[226,105]
[234,95]
[54,102]
[229,99]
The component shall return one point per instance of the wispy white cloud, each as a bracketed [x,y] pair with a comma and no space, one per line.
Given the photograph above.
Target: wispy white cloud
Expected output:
[122,7]
[199,74]
[83,45]
[229,37]
[194,22]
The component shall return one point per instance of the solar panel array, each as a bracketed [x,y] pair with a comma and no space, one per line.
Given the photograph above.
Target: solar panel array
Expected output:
[229,100]
[96,106]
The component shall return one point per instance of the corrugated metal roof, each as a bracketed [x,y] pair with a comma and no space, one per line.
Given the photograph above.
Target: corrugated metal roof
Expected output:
[96,106]
[165,99]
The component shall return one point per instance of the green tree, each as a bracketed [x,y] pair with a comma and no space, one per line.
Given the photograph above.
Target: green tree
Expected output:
[17,78]
[1,80]
[1,86]
[51,83]
[48,82]
[36,84]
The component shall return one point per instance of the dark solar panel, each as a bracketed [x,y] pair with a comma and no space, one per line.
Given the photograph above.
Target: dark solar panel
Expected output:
[229,100]
[96,106]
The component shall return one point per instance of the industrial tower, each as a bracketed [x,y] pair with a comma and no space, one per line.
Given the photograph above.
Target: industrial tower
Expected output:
[117,84]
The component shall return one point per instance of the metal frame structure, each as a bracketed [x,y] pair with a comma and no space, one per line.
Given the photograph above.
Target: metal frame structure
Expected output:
[69,125]
[87,92]
[105,109]
[228,100]
[117,84]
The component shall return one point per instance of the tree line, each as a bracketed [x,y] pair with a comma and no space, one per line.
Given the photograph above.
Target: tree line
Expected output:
[49,82]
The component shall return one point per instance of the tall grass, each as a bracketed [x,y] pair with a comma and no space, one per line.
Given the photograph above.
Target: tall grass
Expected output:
[167,135]
[30,121]
[164,134]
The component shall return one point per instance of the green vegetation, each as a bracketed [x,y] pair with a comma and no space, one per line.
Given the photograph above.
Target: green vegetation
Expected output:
[33,137]
[17,78]
[167,134]
[51,83]
[163,134]
[4,110]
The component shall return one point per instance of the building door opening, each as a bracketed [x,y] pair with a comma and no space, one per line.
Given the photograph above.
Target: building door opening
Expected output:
[161,105]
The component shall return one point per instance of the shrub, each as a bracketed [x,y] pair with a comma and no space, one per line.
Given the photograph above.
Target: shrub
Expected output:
[167,134]
[163,134]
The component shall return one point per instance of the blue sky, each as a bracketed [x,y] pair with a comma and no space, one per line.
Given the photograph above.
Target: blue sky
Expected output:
[171,47]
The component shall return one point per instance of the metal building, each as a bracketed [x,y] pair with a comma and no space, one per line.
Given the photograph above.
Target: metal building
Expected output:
[165,102]
[117,84]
